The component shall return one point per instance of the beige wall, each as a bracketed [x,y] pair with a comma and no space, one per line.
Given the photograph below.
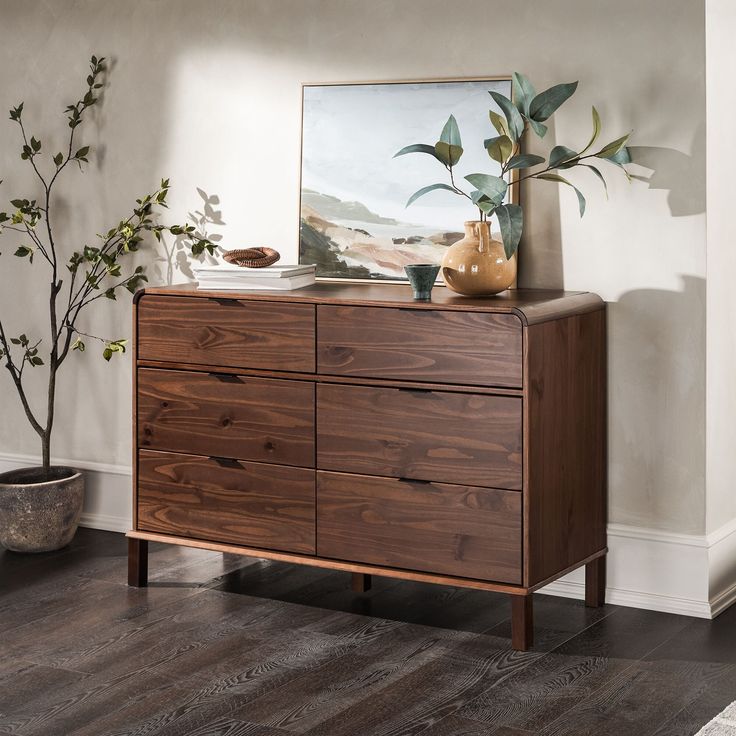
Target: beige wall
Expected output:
[721,302]
[208,94]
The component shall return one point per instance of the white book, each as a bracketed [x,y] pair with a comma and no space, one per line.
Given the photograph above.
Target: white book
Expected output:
[230,271]
[278,284]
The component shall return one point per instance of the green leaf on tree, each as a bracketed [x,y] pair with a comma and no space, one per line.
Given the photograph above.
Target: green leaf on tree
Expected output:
[547,102]
[499,148]
[524,161]
[425,190]
[523,92]
[494,187]
[513,117]
[511,220]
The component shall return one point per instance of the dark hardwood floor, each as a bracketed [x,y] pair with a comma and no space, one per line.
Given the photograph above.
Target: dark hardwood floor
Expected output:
[226,646]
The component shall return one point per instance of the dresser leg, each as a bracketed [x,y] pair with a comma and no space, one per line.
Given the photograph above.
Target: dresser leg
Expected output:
[595,582]
[138,562]
[361,583]
[522,622]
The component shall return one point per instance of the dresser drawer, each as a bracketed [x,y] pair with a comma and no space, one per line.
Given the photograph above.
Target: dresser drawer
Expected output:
[420,345]
[261,419]
[434,527]
[448,437]
[227,332]
[250,504]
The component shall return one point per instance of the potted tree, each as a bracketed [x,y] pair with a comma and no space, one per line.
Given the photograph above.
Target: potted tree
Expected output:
[40,506]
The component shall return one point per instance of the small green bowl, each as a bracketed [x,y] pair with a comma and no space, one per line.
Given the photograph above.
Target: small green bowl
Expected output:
[422,277]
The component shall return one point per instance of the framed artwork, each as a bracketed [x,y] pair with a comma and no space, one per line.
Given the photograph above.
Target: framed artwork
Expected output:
[353,219]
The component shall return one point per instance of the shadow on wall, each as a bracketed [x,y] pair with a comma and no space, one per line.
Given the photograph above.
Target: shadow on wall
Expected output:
[681,174]
[176,256]
[657,470]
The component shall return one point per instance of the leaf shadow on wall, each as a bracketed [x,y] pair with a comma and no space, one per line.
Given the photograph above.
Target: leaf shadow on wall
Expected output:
[681,174]
[175,257]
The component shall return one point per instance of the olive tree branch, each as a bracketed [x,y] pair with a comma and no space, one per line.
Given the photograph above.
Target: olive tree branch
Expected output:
[18,381]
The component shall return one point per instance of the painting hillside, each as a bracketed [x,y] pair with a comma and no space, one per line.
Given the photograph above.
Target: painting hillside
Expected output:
[355,221]
[347,240]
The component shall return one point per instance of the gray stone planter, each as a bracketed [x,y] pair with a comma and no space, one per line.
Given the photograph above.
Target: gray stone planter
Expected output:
[40,512]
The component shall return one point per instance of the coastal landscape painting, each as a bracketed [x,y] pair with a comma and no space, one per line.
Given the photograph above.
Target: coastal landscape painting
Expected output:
[353,220]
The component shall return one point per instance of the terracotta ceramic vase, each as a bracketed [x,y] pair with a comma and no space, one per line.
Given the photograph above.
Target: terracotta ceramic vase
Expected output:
[477,264]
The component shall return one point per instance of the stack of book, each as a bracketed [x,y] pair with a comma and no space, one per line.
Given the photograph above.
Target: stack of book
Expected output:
[226,276]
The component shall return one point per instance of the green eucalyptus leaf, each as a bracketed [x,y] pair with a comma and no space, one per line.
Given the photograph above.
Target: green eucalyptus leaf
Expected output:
[511,220]
[561,156]
[611,149]
[499,148]
[478,197]
[494,187]
[596,130]
[513,117]
[545,103]
[414,148]
[451,133]
[561,180]
[599,175]
[487,206]
[539,128]
[448,153]
[82,152]
[58,159]
[424,190]
[621,157]
[523,92]
[499,123]
[524,161]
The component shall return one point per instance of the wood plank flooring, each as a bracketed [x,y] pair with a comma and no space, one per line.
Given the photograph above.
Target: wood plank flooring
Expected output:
[226,646]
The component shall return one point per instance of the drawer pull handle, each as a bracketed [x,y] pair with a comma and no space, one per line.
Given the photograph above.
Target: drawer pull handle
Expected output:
[415,481]
[226,462]
[227,377]
[227,302]
[416,390]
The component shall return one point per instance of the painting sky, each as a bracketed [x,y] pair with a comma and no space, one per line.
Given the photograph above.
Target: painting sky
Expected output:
[351,133]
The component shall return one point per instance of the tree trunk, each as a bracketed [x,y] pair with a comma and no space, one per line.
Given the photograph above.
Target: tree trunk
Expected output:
[46,436]
[46,445]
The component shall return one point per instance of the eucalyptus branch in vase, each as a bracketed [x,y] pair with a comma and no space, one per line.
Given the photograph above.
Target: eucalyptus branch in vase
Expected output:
[528,110]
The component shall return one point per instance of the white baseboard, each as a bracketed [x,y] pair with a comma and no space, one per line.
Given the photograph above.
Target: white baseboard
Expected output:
[687,574]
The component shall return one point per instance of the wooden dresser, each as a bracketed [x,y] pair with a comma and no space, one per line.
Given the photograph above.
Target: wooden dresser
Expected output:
[460,441]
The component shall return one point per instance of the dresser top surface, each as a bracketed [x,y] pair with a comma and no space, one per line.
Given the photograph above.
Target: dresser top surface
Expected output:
[531,305]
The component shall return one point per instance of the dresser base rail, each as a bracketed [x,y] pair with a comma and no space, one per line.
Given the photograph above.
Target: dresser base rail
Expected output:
[521,618]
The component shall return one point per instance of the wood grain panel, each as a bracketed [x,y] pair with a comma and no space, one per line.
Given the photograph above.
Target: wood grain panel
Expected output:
[448,437]
[442,346]
[566,443]
[269,506]
[243,417]
[532,306]
[227,332]
[443,528]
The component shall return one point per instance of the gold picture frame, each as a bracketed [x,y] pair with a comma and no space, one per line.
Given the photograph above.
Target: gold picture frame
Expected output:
[327,242]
